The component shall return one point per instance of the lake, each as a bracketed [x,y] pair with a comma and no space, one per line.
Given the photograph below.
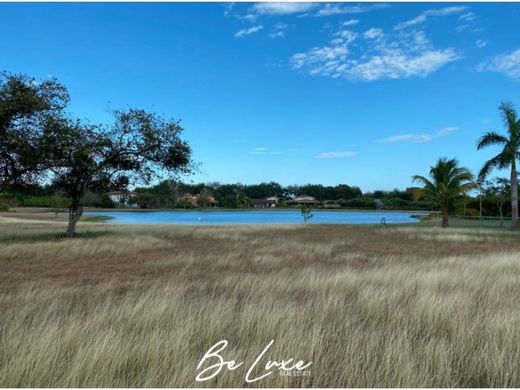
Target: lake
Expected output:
[199,217]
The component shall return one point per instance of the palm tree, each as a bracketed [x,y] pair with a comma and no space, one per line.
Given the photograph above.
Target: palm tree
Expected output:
[510,144]
[448,183]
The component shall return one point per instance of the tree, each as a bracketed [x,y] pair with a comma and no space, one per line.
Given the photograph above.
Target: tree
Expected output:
[306,213]
[25,105]
[498,190]
[204,198]
[449,183]
[510,144]
[139,147]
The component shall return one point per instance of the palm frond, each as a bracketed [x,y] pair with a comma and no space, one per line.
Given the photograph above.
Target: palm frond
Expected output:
[495,162]
[509,117]
[491,138]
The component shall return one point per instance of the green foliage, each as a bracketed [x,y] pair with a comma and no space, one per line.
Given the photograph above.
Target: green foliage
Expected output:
[146,200]
[306,213]
[139,146]
[45,201]
[99,200]
[508,156]
[97,218]
[25,107]
[4,208]
[448,185]
[361,202]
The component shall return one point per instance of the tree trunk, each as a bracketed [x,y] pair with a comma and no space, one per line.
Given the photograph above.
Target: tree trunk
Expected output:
[514,197]
[444,213]
[74,216]
[501,213]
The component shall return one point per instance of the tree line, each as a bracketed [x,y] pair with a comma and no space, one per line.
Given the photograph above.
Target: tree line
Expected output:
[80,161]
[493,200]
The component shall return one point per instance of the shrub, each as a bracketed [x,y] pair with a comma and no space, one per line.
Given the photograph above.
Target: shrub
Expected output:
[45,201]
[4,208]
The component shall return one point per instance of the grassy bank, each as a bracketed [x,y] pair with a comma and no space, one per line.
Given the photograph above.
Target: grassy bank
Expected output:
[369,306]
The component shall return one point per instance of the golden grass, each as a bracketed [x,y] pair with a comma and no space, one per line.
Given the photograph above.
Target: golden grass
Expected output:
[124,306]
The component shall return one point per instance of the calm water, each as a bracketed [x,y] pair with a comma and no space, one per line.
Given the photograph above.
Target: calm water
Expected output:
[254,217]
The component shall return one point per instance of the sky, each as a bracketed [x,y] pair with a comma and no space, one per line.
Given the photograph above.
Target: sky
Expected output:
[365,94]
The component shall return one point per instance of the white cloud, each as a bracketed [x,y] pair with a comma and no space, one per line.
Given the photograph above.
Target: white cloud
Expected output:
[462,27]
[278,30]
[393,56]
[431,12]
[419,138]
[327,9]
[337,9]
[276,34]
[262,150]
[282,8]
[468,17]
[351,22]
[447,131]
[248,17]
[321,60]
[480,43]
[395,64]
[248,31]
[373,33]
[508,64]
[329,155]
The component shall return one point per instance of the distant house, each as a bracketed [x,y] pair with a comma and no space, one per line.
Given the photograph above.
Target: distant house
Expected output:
[197,200]
[302,200]
[270,201]
[121,198]
[189,198]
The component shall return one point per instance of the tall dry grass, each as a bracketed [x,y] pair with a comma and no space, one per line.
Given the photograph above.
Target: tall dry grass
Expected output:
[123,306]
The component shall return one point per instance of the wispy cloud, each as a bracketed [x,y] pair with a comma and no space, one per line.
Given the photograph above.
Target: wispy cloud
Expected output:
[480,43]
[468,17]
[282,8]
[329,155]
[423,17]
[247,31]
[307,9]
[338,9]
[278,30]
[350,22]
[419,138]
[390,56]
[508,64]
[373,33]
[462,27]
[263,150]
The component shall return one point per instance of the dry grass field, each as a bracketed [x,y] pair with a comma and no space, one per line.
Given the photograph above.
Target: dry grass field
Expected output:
[369,306]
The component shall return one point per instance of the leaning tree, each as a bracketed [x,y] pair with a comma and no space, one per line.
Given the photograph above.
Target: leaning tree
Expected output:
[139,147]
[25,105]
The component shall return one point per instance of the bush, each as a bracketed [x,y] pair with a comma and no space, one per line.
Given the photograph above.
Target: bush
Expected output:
[45,201]
[4,208]
[101,200]
[363,202]
[8,200]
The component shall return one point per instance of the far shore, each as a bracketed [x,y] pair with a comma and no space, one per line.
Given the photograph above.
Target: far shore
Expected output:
[212,209]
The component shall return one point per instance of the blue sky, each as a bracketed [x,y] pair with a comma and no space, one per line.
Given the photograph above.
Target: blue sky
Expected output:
[366,94]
